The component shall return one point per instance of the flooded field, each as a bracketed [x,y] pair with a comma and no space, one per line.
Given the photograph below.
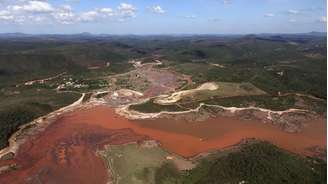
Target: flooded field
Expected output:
[66,151]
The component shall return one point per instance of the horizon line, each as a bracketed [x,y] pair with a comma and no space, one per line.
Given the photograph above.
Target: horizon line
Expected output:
[158,34]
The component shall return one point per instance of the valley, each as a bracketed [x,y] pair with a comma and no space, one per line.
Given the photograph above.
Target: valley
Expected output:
[186,119]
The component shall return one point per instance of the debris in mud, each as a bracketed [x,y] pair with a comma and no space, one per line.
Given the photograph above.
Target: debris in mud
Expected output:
[318,152]
[123,97]
[8,168]
[8,156]
[148,80]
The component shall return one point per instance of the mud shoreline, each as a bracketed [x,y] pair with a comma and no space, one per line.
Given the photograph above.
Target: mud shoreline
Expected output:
[37,125]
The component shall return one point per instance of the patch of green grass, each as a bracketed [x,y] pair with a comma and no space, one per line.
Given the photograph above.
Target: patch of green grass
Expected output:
[134,164]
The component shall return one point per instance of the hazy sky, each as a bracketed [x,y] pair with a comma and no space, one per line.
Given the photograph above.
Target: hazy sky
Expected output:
[162,16]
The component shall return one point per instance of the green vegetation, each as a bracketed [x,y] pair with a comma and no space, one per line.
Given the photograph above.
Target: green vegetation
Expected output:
[13,117]
[255,163]
[16,68]
[22,105]
[303,77]
[28,60]
[269,62]
[101,95]
[167,173]
[151,107]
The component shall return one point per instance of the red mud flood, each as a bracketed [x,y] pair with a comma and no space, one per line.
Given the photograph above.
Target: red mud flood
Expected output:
[66,151]
[66,154]
[223,132]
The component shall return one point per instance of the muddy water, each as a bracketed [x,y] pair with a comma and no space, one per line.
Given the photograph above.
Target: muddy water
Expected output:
[222,132]
[65,152]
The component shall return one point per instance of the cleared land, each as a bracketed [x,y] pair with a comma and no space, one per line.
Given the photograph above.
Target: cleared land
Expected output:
[147,79]
[210,90]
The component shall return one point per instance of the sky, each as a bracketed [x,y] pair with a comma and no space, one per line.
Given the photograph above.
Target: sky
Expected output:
[162,16]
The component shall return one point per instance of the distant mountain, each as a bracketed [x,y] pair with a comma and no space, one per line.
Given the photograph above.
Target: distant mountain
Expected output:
[313,33]
[14,35]
[85,36]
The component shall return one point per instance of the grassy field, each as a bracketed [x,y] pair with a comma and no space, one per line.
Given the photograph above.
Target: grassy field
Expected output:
[225,89]
[134,164]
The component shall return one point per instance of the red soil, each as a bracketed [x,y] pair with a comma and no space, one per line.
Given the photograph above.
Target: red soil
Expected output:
[65,152]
